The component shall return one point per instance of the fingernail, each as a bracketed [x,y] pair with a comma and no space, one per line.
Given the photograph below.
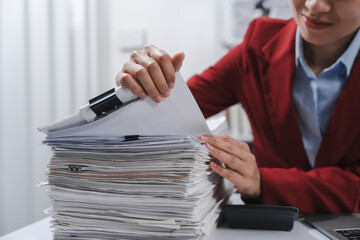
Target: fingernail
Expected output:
[213,165]
[171,85]
[166,94]
[158,99]
[142,95]
[209,146]
[205,139]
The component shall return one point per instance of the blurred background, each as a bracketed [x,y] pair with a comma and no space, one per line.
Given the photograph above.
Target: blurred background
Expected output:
[56,55]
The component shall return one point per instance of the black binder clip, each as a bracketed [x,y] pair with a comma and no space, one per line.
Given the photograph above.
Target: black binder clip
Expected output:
[105,103]
[131,137]
[74,167]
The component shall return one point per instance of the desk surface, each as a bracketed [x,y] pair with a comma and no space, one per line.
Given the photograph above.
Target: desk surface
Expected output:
[41,231]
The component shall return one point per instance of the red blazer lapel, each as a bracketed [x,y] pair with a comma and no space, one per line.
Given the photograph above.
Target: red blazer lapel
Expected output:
[344,125]
[277,66]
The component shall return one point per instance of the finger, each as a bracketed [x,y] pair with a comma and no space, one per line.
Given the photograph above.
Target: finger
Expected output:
[177,60]
[141,75]
[229,174]
[125,79]
[154,70]
[230,148]
[233,141]
[230,160]
[165,62]
[246,186]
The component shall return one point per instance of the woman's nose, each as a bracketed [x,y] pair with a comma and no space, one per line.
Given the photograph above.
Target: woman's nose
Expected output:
[318,6]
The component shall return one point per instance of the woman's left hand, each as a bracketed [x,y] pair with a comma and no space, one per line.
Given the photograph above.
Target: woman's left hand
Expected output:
[241,168]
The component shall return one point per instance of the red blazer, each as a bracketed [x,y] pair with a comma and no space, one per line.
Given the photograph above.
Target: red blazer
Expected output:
[259,74]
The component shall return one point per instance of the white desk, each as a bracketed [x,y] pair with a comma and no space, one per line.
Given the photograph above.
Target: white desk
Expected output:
[41,231]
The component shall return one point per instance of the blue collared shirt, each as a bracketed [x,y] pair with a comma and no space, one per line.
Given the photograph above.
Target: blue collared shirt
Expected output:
[315,97]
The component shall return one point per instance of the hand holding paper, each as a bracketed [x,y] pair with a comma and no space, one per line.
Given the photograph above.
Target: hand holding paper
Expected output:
[150,71]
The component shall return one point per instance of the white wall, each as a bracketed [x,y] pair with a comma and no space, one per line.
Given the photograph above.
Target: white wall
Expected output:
[176,25]
[49,66]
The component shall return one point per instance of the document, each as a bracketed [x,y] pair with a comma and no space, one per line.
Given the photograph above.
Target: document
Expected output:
[177,115]
[136,173]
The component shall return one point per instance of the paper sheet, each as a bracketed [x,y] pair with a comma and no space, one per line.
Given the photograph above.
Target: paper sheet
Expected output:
[177,115]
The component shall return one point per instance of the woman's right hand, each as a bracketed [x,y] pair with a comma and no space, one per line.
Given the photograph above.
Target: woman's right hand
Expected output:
[150,72]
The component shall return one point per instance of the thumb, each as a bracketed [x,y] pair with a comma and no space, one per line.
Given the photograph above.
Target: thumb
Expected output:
[177,60]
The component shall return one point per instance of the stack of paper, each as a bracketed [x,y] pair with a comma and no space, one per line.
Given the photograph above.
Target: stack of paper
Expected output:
[116,186]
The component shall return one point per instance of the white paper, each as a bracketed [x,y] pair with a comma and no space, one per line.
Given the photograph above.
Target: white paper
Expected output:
[177,115]
[158,186]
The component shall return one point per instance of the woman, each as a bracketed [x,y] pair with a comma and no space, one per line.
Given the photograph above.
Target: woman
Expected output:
[299,82]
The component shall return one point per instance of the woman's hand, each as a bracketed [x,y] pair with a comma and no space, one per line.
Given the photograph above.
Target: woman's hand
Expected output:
[150,72]
[241,169]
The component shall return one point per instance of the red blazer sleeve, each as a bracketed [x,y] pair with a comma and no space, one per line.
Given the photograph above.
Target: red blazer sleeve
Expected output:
[321,190]
[221,85]
[214,89]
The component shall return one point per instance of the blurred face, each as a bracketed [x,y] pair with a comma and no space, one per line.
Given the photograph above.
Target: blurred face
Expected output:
[324,22]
